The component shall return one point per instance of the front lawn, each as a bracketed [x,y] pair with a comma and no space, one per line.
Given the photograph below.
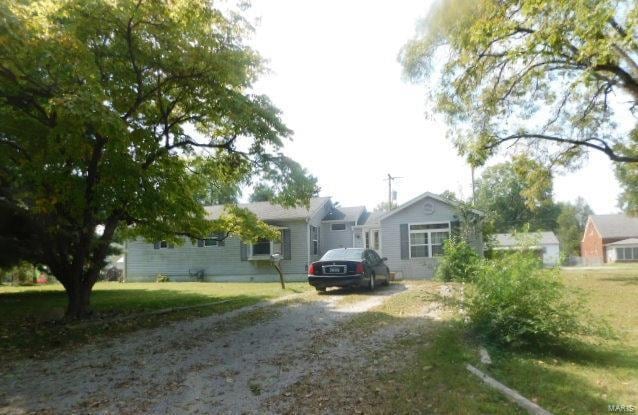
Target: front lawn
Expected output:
[583,379]
[588,378]
[30,325]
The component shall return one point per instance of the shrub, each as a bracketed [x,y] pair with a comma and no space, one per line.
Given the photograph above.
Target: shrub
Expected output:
[162,278]
[21,274]
[460,262]
[515,302]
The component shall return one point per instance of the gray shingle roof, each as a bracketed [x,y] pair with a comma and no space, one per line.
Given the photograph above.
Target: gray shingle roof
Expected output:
[630,241]
[347,214]
[371,218]
[269,211]
[544,238]
[616,225]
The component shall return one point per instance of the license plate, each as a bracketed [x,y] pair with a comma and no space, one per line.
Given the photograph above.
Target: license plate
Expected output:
[334,270]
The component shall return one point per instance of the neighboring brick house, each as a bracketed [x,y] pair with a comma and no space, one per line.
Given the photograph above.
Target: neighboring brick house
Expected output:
[601,237]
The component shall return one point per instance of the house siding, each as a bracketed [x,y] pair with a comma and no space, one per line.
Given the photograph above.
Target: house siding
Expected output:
[551,254]
[417,268]
[336,239]
[220,263]
[316,220]
[357,234]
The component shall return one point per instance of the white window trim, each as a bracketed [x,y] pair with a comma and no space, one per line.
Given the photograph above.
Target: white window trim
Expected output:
[345,226]
[272,245]
[429,232]
[259,256]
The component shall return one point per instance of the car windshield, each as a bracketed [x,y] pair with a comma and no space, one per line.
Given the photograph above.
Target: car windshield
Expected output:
[343,254]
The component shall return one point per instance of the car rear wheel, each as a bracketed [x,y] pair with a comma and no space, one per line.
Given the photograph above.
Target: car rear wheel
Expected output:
[371,283]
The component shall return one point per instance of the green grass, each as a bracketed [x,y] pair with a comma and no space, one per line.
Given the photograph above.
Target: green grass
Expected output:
[584,378]
[31,326]
[588,376]
[436,381]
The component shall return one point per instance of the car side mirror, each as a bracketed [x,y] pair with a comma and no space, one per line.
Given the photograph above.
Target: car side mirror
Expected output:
[384,258]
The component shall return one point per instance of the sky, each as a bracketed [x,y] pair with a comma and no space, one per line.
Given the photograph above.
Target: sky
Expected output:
[334,74]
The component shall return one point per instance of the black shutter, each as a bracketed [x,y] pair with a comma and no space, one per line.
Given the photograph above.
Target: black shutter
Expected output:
[156,245]
[200,242]
[286,248]
[243,251]
[405,241]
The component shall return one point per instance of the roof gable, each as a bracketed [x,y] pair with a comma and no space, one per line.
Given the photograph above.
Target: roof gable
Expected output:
[424,196]
[346,214]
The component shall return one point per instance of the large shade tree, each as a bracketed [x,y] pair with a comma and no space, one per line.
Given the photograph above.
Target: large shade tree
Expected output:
[516,195]
[115,116]
[551,78]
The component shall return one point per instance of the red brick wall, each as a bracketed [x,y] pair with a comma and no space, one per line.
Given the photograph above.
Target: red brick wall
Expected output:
[591,247]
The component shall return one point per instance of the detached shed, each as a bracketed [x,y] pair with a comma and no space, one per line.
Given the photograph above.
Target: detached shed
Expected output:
[546,244]
[625,250]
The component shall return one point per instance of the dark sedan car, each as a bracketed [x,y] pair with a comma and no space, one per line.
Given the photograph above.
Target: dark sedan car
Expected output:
[348,267]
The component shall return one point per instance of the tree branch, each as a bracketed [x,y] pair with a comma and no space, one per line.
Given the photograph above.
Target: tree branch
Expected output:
[589,143]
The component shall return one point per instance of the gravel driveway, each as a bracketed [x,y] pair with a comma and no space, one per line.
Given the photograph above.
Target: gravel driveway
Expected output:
[230,363]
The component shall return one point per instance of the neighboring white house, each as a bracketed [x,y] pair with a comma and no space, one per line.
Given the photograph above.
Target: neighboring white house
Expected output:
[410,236]
[545,243]
[622,251]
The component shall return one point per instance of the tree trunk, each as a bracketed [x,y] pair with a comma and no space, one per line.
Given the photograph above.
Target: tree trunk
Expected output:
[79,298]
[281,275]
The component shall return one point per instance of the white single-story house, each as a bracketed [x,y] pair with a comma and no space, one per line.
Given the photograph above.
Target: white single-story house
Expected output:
[545,243]
[625,250]
[410,237]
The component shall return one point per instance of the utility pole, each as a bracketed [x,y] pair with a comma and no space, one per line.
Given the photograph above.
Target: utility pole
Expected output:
[390,179]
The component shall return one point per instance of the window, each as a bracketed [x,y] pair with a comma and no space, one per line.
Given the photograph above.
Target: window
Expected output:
[355,254]
[375,245]
[627,254]
[163,244]
[261,247]
[437,242]
[367,239]
[338,227]
[419,244]
[374,258]
[214,240]
[426,239]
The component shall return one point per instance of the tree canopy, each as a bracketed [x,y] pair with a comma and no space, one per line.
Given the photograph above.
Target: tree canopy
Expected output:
[550,78]
[262,193]
[571,225]
[116,117]
[514,195]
